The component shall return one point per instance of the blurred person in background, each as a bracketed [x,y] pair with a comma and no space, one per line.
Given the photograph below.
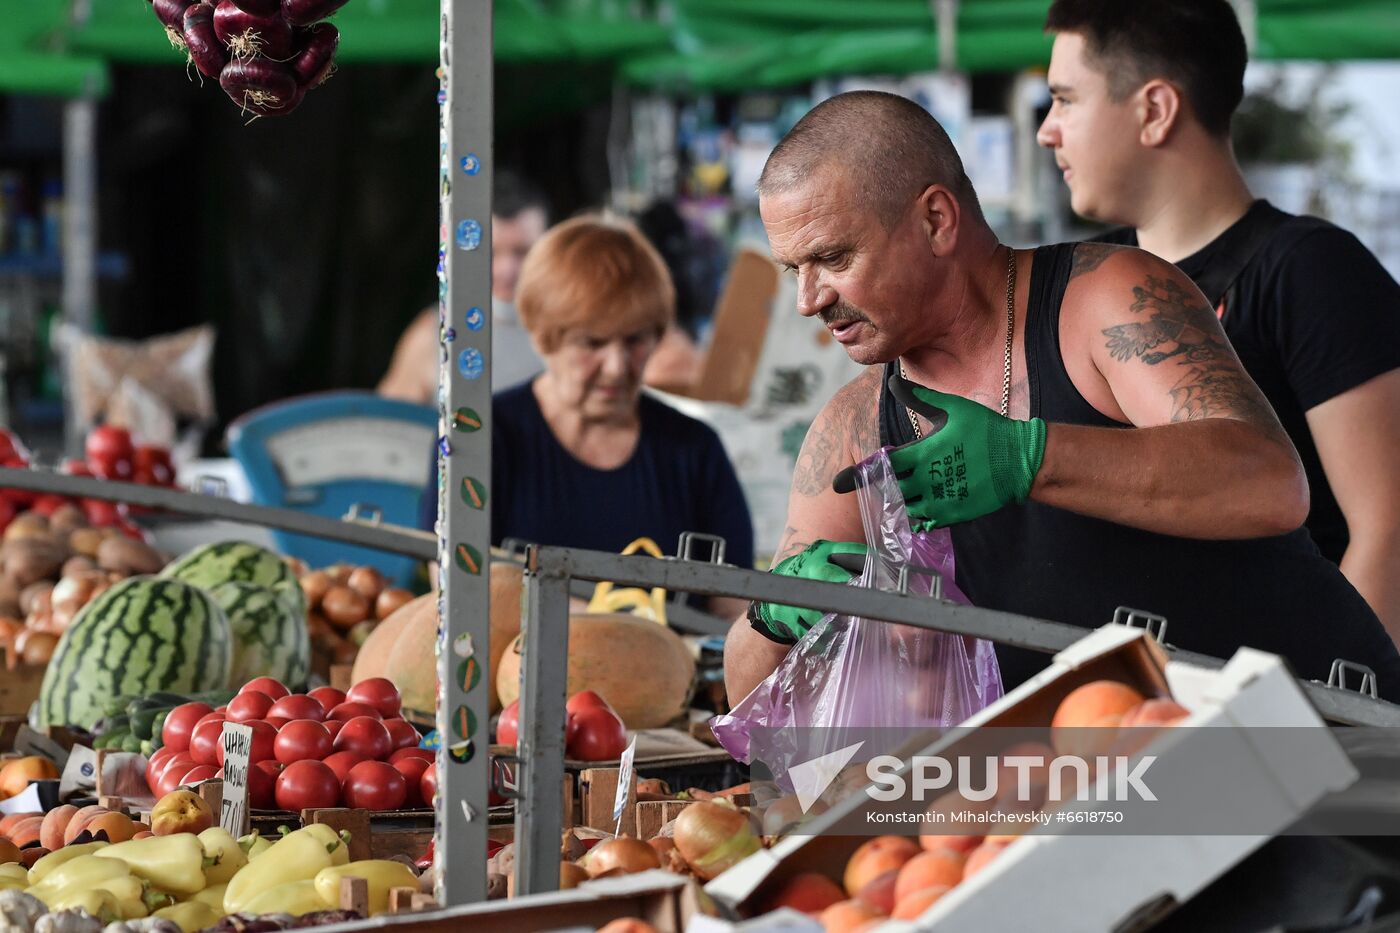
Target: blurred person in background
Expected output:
[1142,99]
[582,457]
[519,217]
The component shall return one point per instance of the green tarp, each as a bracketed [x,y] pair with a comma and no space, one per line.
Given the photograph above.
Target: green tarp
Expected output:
[678,45]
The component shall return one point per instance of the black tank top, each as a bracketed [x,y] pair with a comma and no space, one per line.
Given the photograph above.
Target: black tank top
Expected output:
[1274,594]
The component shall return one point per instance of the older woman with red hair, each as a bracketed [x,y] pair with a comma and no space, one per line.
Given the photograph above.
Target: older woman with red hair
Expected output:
[582,456]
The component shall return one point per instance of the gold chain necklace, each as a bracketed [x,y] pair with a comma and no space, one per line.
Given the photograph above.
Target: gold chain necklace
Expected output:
[1010,332]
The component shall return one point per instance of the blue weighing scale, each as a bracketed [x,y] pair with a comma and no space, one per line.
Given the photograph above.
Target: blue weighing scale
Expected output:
[332,453]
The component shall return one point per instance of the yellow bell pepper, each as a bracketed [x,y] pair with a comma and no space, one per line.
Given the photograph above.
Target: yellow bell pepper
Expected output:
[213,896]
[295,898]
[14,871]
[340,855]
[220,846]
[381,875]
[40,869]
[297,856]
[101,904]
[254,844]
[190,916]
[130,894]
[172,863]
[83,873]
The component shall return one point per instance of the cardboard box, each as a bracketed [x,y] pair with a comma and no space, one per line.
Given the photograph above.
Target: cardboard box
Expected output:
[1100,882]
[740,326]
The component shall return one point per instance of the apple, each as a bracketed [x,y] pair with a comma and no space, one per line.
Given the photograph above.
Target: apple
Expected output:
[181,811]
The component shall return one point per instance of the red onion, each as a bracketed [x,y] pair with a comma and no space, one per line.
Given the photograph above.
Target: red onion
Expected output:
[313,63]
[261,87]
[259,7]
[306,12]
[249,36]
[172,12]
[206,51]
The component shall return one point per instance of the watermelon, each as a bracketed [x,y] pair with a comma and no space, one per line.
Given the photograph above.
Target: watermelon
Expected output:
[142,635]
[213,565]
[269,636]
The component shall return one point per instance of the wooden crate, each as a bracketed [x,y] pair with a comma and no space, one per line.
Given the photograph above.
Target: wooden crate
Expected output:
[19,688]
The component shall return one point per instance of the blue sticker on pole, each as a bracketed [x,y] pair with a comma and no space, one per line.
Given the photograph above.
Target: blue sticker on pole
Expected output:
[470,163]
[470,363]
[468,235]
[475,319]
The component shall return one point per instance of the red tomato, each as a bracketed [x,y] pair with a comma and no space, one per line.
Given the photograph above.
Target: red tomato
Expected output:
[111,467]
[427,784]
[277,722]
[365,735]
[250,704]
[206,739]
[152,464]
[350,709]
[264,738]
[158,758]
[583,699]
[402,733]
[48,504]
[333,726]
[301,740]
[508,726]
[170,775]
[426,754]
[262,788]
[100,514]
[599,735]
[71,466]
[341,762]
[179,723]
[412,770]
[307,784]
[329,697]
[378,692]
[197,774]
[10,446]
[297,706]
[108,441]
[375,785]
[269,685]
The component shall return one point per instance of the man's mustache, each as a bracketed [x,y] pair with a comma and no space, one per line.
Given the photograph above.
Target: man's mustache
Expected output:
[840,314]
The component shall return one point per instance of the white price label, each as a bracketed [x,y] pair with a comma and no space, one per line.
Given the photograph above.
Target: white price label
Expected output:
[624,780]
[238,747]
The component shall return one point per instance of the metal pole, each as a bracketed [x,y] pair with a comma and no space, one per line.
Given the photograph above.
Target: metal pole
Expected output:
[945,15]
[79,231]
[544,674]
[464,474]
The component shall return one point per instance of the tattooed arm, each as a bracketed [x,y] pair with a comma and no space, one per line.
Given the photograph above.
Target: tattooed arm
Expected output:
[844,433]
[1210,459]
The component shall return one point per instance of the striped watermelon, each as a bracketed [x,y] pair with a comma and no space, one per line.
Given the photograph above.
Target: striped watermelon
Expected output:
[269,636]
[143,635]
[213,565]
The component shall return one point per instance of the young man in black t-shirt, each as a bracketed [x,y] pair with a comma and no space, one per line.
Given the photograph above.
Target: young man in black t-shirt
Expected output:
[1142,97]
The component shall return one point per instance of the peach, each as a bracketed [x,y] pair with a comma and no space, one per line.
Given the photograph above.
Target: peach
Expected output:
[26,832]
[914,904]
[1158,711]
[929,870]
[9,822]
[1085,721]
[628,925]
[808,892]
[981,856]
[936,843]
[55,822]
[848,917]
[879,892]
[80,820]
[874,858]
[117,826]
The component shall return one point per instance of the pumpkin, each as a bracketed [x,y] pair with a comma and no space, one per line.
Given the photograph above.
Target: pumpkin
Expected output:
[641,667]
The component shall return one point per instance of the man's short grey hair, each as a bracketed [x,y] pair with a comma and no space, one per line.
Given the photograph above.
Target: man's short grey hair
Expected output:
[891,146]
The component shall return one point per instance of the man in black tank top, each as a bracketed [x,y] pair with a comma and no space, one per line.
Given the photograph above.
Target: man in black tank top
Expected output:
[1103,445]
[1143,96]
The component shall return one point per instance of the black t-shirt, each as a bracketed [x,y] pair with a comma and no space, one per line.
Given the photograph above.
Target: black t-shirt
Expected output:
[678,479]
[1312,316]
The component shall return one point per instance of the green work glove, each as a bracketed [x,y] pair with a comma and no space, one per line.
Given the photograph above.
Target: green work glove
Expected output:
[975,463]
[819,561]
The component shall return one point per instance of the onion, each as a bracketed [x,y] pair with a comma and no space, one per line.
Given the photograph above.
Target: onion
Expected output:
[390,601]
[306,12]
[261,87]
[171,13]
[249,36]
[621,856]
[343,607]
[316,59]
[36,648]
[314,585]
[260,7]
[662,844]
[713,838]
[366,581]
[209,55]
[571,875]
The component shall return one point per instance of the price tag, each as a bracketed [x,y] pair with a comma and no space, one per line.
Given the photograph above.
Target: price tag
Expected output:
[624,782]
[238,747]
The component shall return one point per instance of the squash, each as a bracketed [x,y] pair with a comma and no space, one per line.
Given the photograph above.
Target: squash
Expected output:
[641,667]
[401,647]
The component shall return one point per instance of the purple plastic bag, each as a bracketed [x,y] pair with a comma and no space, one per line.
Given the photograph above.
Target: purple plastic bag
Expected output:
[850,673]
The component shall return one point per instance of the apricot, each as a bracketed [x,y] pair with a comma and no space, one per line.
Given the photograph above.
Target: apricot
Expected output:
[1158,711]
[55,822]
[936,843]
[9,822]
[17,773]
[26,832]
[982,855]
[879,892]
[808,892]
[848,917]
[80,820]
[9,852]
[913,905]
[1086,720]
[929,870]
[117,826]
[874,858]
